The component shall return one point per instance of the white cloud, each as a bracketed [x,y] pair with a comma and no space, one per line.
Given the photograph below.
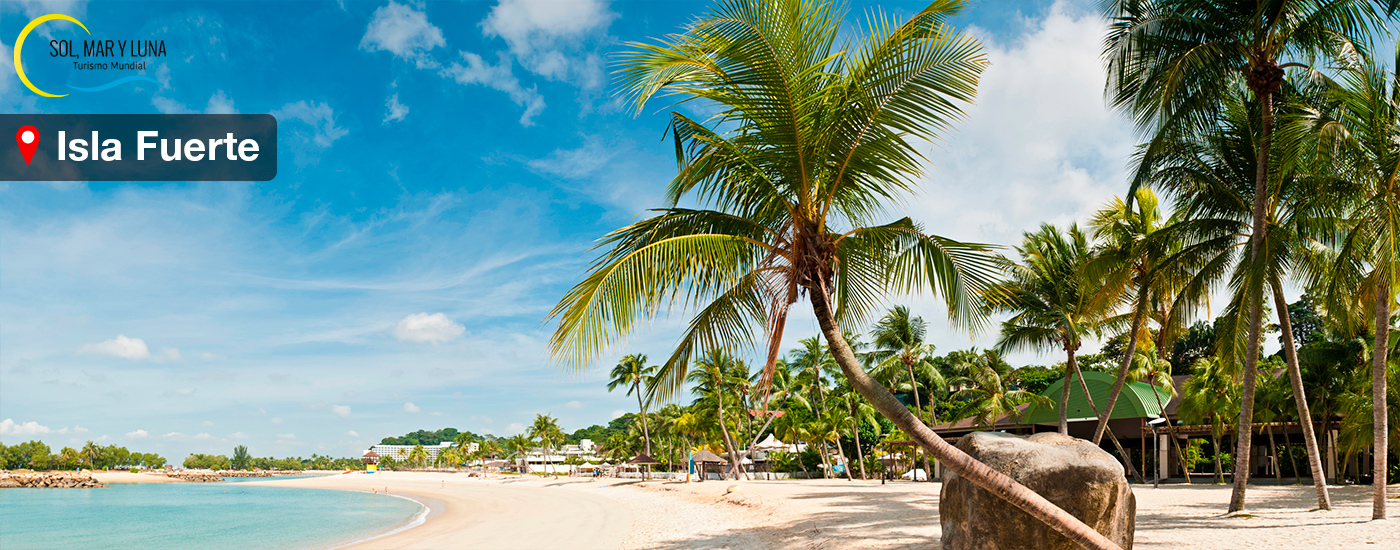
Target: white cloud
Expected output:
[319,116]
[286,436]
[207,423]
[497,77]
[411,408]
[576,163]
[397,111]
[183,391]
[9,427]
[220,104]
[404,32]
[121,346]
[424,328]
[238,435]
[574,405]
[342,411]
[276,420]
[352,433]
[202,436]
[169,106]
[551,38]
[515,427]
[138,434]
[169,354]
[617,413]
[211,356]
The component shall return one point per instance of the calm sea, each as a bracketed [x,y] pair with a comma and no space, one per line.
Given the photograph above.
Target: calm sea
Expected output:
[211,516]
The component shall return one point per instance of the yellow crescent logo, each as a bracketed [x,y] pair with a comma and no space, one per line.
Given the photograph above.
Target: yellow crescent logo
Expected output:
[19,44]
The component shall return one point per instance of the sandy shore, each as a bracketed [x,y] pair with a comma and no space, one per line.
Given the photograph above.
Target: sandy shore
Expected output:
[782,515]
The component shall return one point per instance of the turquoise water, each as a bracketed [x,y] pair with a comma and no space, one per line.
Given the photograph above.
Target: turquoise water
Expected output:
[211,516]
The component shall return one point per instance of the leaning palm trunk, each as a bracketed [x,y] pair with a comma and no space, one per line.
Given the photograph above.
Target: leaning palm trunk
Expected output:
[1122,454]
[1122,369]
[1215,440]
[1273,450]
[842,453]
[914,385]
[860,454]
[1378,389]
[954,459]
[1295,379]
[728,441]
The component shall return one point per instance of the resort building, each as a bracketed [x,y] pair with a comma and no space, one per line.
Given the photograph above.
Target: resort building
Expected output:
[562,459]
[400,452]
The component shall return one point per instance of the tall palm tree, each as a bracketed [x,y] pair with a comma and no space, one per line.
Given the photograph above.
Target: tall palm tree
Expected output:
[1361,130]
[632,371]
[899,346]
[92,454]
[1133,257]
[712,378]
[812,139]
[546,429]
[519,446]
[987,397]
[1210,396]
[1212,179]
[856,413]
[812,362]
[1172,62]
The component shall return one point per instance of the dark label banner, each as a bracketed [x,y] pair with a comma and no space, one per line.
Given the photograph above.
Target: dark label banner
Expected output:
[138,148]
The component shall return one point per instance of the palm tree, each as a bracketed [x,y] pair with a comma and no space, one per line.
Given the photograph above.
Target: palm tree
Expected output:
[418,455]
[632,371]
[546,429]
[92,454]
[1133,256]
[1055,303]
[810,143]
[899,342]
[519,446]
[1361,130]
[986,397]
[712,378]
[857,413]
[1151,366]
[1212,178]
[1171,63]
[1210,396]
[812,362]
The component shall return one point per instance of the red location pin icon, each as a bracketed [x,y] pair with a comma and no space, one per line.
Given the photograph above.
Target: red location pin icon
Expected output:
[28,139]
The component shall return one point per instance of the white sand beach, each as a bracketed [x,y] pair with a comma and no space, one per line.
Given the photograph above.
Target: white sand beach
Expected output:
[522,513]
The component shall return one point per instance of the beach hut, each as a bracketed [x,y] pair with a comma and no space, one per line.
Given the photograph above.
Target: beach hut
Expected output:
[701,459]
[371,460]
[642,459]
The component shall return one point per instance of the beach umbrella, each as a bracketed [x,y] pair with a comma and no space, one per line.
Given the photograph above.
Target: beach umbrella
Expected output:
[642,458]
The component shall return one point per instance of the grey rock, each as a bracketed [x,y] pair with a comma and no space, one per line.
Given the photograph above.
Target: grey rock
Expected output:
[1072,473]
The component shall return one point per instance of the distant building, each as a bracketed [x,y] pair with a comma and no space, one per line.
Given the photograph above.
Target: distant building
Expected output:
[536,461]
[401,452]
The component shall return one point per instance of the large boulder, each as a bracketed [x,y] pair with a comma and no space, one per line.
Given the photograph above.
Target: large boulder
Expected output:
[1072,473]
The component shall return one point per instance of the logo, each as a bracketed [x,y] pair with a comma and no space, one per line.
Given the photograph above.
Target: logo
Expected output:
[135,50]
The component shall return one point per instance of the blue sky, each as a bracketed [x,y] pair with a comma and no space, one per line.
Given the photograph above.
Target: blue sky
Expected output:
[444,170]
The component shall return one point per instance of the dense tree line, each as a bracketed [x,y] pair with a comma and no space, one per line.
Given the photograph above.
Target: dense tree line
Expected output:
[36,455]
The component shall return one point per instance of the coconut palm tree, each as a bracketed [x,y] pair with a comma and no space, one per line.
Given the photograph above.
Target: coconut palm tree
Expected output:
[986,397]
[1151,367]
[712,378]
[898,341]
[1212,179]
[632,371]
[1133,256]
[546,429]
[1171,63]
[92,454]
[418,455]
[519,446]
[1210,396]
[856,413]
[1360,131]
[1055,303]
[815,134]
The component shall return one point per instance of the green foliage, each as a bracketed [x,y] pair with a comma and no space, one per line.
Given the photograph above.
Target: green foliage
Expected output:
[427,438]
[35,455]
[206,462]
[241,459]
[1034,378]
